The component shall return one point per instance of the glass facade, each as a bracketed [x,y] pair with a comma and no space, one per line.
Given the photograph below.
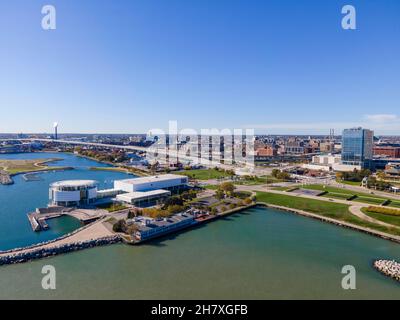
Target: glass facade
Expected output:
[357,147]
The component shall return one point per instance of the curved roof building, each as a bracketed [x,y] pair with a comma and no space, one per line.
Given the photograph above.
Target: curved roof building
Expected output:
[73,192]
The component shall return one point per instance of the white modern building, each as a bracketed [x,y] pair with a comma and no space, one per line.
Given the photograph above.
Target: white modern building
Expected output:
[137,191]
[73,192]
[170,182]
[140,198]
[329,162]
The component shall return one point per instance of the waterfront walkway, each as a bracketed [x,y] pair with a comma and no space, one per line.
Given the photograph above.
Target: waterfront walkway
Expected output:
[97,230]
[356,210]
[354,206]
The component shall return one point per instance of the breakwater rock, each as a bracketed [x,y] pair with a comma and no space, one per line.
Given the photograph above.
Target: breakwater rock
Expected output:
[38,253]
[389,268]
[5,179]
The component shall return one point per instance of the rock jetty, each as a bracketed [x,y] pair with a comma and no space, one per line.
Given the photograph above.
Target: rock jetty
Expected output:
[5,178]
[15,257]
[389,268]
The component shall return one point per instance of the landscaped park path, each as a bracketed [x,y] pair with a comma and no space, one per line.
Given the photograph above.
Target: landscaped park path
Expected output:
[355,207]
[365,190]
[356,210]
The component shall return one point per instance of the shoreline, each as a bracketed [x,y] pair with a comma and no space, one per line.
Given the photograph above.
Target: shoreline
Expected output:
[39,251]
[347,225]
[6,178]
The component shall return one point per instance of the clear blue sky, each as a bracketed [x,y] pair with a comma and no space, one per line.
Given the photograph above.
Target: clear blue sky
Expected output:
[126,66]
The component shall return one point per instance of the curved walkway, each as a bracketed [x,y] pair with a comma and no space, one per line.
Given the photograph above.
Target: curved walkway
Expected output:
[354,207]
[356,210]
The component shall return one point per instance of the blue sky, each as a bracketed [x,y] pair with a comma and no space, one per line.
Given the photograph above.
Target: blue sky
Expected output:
[126,66]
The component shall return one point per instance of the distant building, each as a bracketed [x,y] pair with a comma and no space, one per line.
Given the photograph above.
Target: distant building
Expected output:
[294,147]
[389,151]
[357,147]
[327,146]
[268,151]
[393,169]
[326,162]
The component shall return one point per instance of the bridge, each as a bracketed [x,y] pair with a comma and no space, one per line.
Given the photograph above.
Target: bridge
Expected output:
[156,151]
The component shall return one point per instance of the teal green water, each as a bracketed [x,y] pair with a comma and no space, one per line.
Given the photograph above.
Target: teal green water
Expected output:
[258,254]
[23,197]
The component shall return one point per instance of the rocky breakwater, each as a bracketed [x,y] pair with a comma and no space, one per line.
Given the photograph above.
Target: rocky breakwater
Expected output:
[40,252]
[5,178]
[389,268]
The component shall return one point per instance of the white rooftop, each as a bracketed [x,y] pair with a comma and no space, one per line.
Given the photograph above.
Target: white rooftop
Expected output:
[74,183]
[139,195]
[152,179]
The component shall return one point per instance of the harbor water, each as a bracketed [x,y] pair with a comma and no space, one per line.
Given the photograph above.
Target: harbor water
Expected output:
[259,253]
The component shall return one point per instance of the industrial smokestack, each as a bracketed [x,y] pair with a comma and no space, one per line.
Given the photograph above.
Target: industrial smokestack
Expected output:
[55,130]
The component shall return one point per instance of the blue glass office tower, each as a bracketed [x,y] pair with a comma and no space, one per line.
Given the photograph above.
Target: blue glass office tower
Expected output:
[357,147]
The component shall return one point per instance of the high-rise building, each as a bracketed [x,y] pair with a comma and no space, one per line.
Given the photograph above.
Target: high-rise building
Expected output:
[357,147]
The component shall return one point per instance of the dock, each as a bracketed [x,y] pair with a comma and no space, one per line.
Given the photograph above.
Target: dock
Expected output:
[38,219]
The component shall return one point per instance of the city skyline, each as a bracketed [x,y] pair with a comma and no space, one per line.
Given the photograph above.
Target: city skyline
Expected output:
[132,66]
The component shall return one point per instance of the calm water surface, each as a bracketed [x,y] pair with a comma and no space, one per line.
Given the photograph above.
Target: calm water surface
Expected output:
[23,197]
[257,254]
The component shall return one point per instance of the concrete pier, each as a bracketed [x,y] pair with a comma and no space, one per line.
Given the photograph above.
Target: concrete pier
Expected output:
[38,218]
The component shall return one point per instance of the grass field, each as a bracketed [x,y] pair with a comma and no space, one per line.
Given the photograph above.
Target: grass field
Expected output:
[370,200]
[341,196]
[395,220]
[350,183]
[335,211]
[18,166]
[339,193]
[259,180]
[394,203]
[204,174]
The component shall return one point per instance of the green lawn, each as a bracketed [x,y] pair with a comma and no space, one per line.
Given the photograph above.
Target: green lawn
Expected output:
[323,208]
[282,188]
[394,203]
[259,180]
[351,183]
[371,200]
[395,220]
[341,196]
[211,187]
[335,193]
[204,174]
[329,209]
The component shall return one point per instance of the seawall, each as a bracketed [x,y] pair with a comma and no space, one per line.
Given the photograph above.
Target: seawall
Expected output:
[39,253]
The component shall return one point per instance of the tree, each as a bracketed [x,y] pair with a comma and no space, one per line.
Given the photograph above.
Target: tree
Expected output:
[134,212]
[247,201]
[381,175]
[119,226]
[227,187]
[275,172]
[219,194]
